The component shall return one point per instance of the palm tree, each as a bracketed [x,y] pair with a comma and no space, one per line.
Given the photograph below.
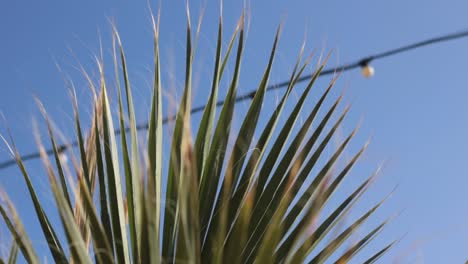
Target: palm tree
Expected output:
[215,203]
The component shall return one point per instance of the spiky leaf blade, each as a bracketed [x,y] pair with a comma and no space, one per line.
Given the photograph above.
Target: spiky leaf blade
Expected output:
[114,185]
[16,228]
[379,254]
[49,233]
[206,124]
[103,200]
[155,134]
[176,163]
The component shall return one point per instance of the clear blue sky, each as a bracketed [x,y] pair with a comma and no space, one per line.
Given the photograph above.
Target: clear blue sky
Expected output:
[415,107]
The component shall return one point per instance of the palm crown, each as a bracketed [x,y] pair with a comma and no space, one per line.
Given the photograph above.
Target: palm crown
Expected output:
[212,205]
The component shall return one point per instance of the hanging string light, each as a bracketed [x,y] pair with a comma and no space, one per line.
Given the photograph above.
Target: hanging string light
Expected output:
[366,69]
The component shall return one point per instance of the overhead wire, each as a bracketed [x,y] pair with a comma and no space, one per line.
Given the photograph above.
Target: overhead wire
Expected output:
[361,63]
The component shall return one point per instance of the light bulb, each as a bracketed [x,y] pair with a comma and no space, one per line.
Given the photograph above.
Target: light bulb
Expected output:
[367,71]
[63,157]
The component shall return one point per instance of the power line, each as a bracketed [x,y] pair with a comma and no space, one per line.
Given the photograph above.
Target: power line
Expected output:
[363,62]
